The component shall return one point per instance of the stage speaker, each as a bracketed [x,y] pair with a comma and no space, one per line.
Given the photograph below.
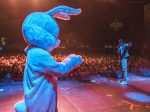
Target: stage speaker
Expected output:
[113,74]
[84,77]
[7,78]
[145,72]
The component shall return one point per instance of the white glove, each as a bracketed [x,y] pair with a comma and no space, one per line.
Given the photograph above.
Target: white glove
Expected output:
[77,59]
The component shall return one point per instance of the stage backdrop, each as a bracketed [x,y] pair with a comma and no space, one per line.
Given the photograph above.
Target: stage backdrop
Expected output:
[101,23]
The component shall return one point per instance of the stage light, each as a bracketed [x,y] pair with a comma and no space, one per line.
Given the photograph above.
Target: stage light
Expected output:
[108,0]
[35,2]
[138,97]
[13,2]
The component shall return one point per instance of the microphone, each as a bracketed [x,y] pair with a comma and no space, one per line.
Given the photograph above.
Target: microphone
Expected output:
[129,44]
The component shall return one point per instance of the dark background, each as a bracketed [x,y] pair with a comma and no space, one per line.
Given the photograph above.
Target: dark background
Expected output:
[91,27]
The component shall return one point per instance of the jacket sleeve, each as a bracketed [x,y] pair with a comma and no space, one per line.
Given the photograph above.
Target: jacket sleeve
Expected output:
[119,51]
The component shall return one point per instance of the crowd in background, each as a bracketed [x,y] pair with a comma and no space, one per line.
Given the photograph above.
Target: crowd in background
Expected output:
[13,65]
[97,64]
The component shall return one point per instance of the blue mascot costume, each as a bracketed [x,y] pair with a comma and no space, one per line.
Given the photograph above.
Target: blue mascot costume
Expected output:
[41,31]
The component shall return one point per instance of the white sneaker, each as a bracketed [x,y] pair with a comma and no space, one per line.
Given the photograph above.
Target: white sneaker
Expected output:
[93,80]
[123,82]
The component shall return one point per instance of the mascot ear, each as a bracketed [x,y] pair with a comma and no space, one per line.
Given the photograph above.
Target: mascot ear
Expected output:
[63,12]
[61,15]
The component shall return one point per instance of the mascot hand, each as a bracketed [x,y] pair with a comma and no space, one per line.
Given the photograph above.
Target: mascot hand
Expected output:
[77,59]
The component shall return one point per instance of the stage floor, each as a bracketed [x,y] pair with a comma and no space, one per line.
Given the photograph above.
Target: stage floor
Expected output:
[104,95]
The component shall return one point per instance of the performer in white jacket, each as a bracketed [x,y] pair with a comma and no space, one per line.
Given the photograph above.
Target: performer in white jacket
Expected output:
[123,53]
[40,30]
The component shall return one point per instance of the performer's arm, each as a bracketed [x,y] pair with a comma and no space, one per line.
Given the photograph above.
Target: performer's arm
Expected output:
[127,46]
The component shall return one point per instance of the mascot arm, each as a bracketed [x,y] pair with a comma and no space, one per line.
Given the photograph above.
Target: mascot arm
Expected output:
[44,62]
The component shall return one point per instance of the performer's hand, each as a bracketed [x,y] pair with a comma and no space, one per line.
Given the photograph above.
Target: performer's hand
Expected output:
[130,44]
